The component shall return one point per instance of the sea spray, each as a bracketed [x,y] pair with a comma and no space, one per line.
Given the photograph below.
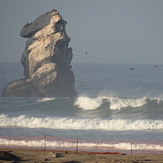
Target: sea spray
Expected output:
[116,103]
[88,103]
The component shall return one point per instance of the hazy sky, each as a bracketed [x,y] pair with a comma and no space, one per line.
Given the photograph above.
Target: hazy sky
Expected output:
[111,31]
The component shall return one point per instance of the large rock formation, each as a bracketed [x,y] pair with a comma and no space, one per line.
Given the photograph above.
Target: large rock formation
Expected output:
[46,60]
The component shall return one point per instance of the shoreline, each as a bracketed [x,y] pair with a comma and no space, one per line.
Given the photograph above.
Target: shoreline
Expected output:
[61,156]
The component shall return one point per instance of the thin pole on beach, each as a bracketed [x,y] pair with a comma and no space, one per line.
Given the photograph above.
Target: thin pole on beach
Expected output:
[131,147]
[77,146]
[45,142]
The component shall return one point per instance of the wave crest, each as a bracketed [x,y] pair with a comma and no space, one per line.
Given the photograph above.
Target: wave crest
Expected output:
[116,103]
[80,123]
[46,99]
[87,103]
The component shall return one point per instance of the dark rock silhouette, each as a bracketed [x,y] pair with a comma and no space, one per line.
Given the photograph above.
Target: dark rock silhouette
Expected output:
[4,155]
[46,60]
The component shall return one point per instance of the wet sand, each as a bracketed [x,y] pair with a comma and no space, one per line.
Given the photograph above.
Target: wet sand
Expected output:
[53,156]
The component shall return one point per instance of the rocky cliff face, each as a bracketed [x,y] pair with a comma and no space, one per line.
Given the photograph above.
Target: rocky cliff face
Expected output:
[46,60]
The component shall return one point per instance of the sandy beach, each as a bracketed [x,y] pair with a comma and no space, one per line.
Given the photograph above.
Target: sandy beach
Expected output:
[41,156]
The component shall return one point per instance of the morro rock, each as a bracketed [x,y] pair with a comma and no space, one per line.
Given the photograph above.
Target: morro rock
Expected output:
[46,60]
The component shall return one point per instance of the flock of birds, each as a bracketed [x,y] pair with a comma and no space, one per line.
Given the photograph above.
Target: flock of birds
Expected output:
[132,68]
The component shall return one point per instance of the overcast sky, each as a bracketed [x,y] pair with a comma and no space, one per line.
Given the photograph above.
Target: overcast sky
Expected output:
[111,31]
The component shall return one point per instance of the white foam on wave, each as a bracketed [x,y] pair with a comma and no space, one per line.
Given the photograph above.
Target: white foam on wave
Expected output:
[80,123]
[87,103]
[121,145]
[46,99]
[116,103]
[158,100]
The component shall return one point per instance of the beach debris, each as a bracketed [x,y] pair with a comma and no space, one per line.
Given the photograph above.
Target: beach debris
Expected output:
[57,154]
[4,155]
[46,159]
[72,162]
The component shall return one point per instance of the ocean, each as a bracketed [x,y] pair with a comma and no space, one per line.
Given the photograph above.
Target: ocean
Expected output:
[119,107]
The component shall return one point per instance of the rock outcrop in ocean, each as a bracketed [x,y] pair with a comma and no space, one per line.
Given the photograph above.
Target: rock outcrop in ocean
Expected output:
[46,60]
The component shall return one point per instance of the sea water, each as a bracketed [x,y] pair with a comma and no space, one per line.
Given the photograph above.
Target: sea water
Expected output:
[117,108]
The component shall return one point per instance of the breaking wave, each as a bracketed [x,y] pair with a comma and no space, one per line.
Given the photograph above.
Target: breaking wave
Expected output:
[72,123]
[115,103]
[59,143]
[87,103]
